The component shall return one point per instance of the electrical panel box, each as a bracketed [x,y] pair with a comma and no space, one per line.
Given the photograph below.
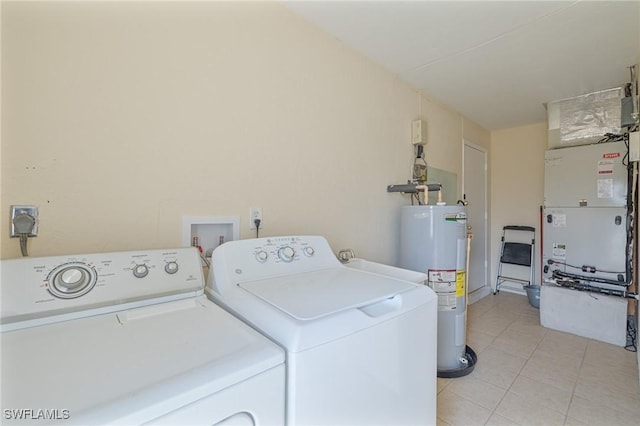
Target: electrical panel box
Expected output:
[586,176]
[419,132]
[626,113]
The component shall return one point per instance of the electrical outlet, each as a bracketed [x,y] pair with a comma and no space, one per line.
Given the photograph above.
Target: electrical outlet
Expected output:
[255,213]
[17,210]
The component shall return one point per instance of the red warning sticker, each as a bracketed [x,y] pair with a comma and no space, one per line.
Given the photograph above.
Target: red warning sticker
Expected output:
[611,155]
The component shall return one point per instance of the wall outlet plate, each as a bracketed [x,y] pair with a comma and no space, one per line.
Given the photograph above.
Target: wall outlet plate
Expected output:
[31,210]
[255,213]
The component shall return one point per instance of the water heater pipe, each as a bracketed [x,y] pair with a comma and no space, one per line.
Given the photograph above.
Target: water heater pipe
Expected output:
[426,188]
[466,276]
[413,188]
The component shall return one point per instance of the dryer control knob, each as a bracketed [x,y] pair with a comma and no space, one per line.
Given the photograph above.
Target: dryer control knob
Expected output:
[140,271]
[262,256]
[309,251]
[286,254]
[171,267]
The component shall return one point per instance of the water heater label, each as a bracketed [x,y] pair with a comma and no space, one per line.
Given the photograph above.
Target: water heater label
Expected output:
[446,302]
[440,287]
[455,217]
[444,284]
[442,275]
[460,279]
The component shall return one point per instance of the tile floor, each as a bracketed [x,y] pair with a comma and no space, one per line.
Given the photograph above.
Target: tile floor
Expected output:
[530,375]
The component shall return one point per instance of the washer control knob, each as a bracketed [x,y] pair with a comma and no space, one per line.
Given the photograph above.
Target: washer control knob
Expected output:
[286,254]
[72,277]
[141,271]
[309,251]
[69,281]
[262,256]
[171,267]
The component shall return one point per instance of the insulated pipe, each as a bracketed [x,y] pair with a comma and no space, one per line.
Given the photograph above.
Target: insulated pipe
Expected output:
[412,188]
[426,188]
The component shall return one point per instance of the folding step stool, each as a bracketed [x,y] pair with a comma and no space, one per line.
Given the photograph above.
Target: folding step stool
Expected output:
[515,253]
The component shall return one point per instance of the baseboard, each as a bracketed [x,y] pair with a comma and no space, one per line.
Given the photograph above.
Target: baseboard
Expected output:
[478,294]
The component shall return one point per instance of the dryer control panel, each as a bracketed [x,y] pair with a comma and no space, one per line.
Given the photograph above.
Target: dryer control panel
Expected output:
[38,288]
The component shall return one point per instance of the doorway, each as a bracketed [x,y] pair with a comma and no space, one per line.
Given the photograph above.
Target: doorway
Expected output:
[474,188]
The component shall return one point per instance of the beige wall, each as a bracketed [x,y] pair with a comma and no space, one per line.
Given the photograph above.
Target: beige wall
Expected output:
[476,134]
[517,176]
[443,125]
[481,137]
[120,119]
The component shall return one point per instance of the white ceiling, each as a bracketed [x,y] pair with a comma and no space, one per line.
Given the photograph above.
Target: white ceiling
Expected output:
[495,62]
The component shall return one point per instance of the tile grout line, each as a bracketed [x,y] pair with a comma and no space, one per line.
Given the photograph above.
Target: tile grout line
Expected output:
[573,390]
[518,375]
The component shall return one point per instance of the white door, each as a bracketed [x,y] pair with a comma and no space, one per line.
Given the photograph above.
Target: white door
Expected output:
[475,192]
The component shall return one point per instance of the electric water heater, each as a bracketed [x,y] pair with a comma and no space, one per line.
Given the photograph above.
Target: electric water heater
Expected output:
[433,240]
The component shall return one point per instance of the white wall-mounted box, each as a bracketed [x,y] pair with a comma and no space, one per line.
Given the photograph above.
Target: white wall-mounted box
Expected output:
[634,146]
[419,132]
[594,174]
[209,230]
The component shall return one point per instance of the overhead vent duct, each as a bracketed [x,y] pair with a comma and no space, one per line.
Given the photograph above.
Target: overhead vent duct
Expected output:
[585,119]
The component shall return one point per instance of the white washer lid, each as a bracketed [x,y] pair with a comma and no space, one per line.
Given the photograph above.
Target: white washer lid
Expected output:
[312,295]
[132,366]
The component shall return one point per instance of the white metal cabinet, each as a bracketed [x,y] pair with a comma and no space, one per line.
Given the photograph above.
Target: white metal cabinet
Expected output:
[586,176]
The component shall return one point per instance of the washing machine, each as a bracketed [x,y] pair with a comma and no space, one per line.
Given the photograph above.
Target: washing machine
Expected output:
[360,346]
[129,338]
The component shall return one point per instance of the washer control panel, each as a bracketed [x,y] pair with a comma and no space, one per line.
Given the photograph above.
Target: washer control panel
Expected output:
[37,287]
[281,249]
[259,258]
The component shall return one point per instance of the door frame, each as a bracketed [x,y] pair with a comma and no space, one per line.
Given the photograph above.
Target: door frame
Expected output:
[486,289]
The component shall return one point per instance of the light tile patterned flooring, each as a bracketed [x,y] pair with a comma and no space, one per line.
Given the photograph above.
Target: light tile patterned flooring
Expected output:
[530,375]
